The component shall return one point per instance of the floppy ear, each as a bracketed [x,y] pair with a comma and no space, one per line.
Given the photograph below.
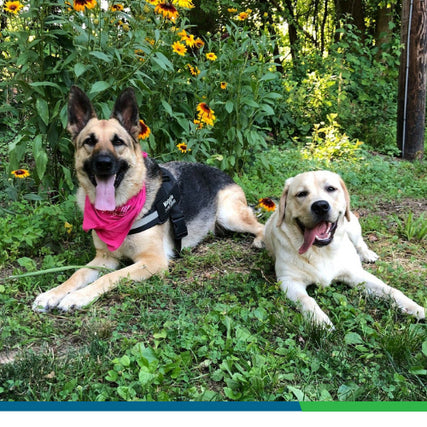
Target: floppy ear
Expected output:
[347,199]
[80,111]
[126,112]
[282,203]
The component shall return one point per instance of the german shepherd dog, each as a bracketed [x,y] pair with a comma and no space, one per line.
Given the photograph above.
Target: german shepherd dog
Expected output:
[119,187]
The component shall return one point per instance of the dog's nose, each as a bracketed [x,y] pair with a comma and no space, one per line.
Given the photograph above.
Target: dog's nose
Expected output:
[104,164]
[321,207]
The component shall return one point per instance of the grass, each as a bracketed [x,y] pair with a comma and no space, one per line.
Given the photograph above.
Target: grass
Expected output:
[216,326]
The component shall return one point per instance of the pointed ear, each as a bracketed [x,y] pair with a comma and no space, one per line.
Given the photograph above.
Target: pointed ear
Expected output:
[80,111]
[282,203]
[126,112]
[347,199]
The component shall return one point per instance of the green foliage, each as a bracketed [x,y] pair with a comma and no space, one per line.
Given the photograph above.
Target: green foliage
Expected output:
[49,46]
[328,144]
[412,228]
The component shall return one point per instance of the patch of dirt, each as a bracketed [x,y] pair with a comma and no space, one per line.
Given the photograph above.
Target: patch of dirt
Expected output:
[399,207]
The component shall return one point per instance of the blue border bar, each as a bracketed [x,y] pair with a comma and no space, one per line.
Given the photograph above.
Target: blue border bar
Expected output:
[150,406]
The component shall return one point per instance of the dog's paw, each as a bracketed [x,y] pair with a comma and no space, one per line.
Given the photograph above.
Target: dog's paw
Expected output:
[75,300]
[46,301]
[368,256]
[415,310]
[258,243]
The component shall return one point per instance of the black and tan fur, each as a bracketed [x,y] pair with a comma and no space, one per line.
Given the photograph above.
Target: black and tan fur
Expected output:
[208,198]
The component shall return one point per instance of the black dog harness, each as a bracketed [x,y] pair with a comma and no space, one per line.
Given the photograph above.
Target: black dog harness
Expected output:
[165,206]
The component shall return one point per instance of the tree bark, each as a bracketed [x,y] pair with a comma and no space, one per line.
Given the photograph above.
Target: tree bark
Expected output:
[412,80]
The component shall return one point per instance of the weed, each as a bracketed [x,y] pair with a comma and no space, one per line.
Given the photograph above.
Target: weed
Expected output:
[412,228]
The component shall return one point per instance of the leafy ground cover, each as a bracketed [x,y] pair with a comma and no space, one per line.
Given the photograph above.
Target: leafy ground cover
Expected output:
[216,326]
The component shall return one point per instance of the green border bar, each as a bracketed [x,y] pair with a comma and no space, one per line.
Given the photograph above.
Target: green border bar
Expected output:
[363,406]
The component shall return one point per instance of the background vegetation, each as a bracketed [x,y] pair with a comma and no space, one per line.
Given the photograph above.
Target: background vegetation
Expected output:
[292,86]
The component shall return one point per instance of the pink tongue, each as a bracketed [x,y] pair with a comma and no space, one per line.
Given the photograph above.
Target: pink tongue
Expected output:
[320,230]
[105,199]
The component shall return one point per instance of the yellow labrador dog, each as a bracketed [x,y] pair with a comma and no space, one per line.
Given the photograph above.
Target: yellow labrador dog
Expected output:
[315,239]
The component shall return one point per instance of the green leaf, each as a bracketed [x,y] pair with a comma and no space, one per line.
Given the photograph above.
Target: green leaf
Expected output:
[353,338]
[99,87]
[42,108]
[229,106]
[79,69]
[101,55]
[424,348]
[40,156]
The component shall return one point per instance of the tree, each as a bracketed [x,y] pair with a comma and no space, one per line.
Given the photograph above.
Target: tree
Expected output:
[412,80]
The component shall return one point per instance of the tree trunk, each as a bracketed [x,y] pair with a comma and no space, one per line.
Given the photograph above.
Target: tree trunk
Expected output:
[412,80]
[383,32]
[353,9]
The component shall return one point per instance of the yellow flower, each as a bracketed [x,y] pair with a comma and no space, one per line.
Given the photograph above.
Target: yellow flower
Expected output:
[117,8]
[242,16]
[267,204]
[167,10]
[206,114]
[68,227]
[186,4]
[179,48]
[193,70]
[223,85]
[13,7]
[20,173]
[199,43]
[232,10]
[182,146]
[81,5]
[154,2]
[211,56]
[145,131]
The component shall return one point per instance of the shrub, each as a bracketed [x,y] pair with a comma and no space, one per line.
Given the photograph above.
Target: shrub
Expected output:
[49,45]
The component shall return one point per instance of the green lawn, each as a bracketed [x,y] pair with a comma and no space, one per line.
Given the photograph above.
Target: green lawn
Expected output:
[217,327]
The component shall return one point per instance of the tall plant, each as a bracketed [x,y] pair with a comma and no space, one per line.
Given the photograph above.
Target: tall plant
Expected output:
[208,100]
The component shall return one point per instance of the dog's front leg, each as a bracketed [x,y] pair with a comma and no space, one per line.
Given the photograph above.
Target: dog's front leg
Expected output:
[78,280]
[143,268]
[297,292]
[377,287]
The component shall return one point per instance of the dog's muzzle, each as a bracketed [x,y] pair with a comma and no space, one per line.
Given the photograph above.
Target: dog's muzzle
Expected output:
[322,233]
[104,165]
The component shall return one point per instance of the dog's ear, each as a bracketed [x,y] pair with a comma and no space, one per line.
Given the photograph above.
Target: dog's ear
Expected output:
[347,199]
[80,111]
[126,112]
[282,203]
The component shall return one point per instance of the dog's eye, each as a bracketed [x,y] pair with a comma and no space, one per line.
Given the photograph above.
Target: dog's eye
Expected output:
[117,142]
[330,189]
[90,140]
[302,194]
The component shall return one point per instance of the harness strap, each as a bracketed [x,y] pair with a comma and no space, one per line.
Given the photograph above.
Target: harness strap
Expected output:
[165,206]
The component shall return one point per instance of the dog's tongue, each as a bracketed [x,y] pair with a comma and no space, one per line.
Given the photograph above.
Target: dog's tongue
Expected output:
[105,199]
[321,231]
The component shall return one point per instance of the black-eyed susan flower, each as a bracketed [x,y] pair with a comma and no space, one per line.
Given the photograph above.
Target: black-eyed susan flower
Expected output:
[145,131]
[20,173]
[199,43]
[117,8]
[186,4]
[193,70]
[206,114]
[154,2]
[211,56]
[223,85]
[167,10]
[13,7]
[183,147]
[81,5]
[267,204]
[231,10]
[189,40]
[179,48]
[242,16]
